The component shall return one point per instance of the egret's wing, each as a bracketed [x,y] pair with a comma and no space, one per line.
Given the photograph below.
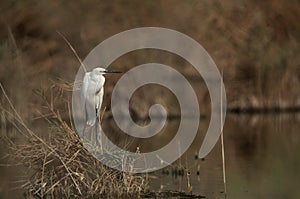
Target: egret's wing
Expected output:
[100,98]
[88,99]
[84,87]
[100,92]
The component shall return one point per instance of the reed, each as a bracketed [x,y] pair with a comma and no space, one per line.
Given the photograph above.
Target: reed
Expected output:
[222,146]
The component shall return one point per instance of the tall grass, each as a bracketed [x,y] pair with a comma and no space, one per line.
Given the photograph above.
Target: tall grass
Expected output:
[59,166]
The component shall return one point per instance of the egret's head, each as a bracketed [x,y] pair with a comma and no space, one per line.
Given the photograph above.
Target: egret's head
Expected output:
[103,71]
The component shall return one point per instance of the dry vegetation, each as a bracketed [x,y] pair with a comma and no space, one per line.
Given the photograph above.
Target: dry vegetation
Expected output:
[59,166]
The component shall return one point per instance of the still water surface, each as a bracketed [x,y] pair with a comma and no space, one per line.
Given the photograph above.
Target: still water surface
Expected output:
[261,154]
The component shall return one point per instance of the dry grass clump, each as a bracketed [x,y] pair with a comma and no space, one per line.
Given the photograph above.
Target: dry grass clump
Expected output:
[60,167]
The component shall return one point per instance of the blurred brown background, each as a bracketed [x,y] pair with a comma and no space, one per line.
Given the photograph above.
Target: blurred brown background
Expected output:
[255,44]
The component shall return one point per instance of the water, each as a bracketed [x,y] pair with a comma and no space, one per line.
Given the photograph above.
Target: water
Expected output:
[262,160]
[261,154]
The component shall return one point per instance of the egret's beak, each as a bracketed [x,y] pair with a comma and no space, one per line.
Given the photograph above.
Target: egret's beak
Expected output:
[112,71]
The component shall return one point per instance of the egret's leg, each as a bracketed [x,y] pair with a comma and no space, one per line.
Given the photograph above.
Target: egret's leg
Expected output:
[96,127]
[97,131]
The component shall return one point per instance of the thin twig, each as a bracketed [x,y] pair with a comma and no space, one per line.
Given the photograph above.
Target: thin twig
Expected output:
[11,105]
[73,50]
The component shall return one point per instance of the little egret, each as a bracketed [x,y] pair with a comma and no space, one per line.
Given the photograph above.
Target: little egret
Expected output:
[92,94]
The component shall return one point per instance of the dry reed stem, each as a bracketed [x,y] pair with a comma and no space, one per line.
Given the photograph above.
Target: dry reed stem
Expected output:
[73,50]
[222,145]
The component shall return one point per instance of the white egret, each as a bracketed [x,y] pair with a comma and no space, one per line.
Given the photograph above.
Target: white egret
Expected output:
[92,94]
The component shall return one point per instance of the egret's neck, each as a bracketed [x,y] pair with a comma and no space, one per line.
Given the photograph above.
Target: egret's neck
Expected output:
[98,79]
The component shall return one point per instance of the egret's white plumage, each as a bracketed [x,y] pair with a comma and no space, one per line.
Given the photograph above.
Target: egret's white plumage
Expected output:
[92,93]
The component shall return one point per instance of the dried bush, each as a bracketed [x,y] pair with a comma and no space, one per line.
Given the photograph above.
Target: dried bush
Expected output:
[60,167]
